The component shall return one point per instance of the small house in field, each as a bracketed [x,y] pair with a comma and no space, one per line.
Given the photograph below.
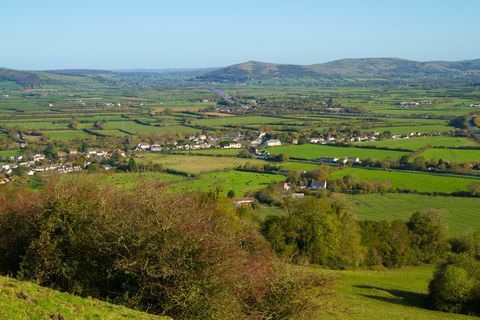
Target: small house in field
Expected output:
[243,202]
[272,143]
[316,184]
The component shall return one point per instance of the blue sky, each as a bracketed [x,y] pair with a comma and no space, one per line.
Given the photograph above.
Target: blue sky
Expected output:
[47,34]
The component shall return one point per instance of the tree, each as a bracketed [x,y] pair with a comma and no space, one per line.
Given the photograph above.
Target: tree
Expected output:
[132,165]
[231,194]
[429,235]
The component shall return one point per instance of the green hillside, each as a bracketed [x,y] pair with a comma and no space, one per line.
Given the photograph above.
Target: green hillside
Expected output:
[25,300]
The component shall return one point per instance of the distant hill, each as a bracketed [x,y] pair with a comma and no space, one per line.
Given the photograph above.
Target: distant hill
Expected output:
[24,78]
[349,69]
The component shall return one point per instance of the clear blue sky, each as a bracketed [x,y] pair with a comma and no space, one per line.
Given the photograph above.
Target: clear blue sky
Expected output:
[47,34]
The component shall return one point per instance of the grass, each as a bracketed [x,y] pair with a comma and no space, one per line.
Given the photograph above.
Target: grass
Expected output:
[223,121]
[25,300]
[196,164]
[388,295]
[452,155]
[66,134]
[420,182]
[239,181]
[461,214]
[312,151]
[420,142]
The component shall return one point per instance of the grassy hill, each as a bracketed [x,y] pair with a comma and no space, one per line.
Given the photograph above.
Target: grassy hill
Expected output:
[349,69]
[25,300]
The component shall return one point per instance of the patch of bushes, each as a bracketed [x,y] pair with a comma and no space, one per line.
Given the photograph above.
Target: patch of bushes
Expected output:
[182,255]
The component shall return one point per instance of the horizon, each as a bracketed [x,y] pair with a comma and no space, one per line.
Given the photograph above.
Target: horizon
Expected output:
[117,35]
[179,69]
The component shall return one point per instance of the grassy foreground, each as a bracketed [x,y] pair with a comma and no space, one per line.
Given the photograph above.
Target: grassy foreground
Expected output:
[389,294]
[25,300]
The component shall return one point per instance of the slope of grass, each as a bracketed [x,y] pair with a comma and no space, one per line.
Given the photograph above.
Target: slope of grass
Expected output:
[460,213]
[421,182]
[388,295]
[420,142]
[312,151]
[25,300]
[453,155]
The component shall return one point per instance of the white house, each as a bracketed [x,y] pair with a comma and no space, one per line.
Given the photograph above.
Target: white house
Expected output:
[272,143]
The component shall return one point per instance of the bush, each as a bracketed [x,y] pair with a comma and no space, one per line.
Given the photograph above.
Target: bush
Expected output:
[456,285]
[181,255]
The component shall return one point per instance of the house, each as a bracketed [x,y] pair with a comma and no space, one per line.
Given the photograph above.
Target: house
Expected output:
[156,147]
[142,147]
[73,152]
[61,154]
[272,143]
[38,157]
[316,184]
[297,195]
[242,202]
[120,152]
[236,145]
[286,186]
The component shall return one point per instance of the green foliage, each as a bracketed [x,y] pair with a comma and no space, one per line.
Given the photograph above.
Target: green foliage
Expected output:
[319,231]
[455,286]
[183,255]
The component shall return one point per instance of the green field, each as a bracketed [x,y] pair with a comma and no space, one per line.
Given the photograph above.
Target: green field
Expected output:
[223,121]
[196,164]
[421,182]
[420,142]
[452,155]
[25,300]
[461,214]
[312,151]
[239,181]
[388,295]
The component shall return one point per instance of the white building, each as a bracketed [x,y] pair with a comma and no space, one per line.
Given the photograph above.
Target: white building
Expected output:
[272,143]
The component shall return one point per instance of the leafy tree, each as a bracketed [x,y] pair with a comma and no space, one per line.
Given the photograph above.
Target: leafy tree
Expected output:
[231,194]
[132,165]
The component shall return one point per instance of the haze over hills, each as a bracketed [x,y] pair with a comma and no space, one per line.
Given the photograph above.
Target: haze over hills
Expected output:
[378,69]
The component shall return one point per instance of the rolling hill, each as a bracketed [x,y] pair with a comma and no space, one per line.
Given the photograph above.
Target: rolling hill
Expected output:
[350,69]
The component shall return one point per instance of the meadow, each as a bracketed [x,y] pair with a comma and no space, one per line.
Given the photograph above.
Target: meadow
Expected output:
[420,142]
[240,182]
[460,214]
[420,182]
[381,294]
[313,151]
[452,155]
[196,164]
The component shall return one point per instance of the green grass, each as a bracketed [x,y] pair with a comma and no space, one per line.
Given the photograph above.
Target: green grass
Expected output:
[312,151]
[25,300]
[239,181]
[421,182]
[388,295]
[420,142]
[461,214]
[66,134]
[452,155]
[196,164]
[218,122]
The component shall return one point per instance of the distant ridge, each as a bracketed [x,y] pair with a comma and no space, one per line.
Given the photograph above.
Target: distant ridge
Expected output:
[364,68]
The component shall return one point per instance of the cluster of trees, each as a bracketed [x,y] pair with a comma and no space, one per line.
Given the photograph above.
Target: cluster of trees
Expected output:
[266,167]
[324,231]
[456,284]
[150,249]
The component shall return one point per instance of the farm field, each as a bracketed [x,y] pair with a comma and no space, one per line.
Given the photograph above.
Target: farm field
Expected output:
[420,142]
[452,155]
[420,182]
[312,151]
[196,164]
[461,214]
[223,121]
[126,180]
[385,294]
[240,182]
[408,129]
[66,134]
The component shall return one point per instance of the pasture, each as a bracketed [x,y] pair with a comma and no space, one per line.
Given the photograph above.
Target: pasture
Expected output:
[461,214]
[420,142]
[452,155]
[414,181]
[196,164]
[312,151]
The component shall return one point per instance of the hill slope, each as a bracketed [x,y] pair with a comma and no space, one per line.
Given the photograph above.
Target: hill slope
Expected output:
[24,300]
[350,69]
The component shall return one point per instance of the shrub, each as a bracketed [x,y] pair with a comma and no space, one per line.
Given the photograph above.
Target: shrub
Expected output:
[183,255]
[456,285]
